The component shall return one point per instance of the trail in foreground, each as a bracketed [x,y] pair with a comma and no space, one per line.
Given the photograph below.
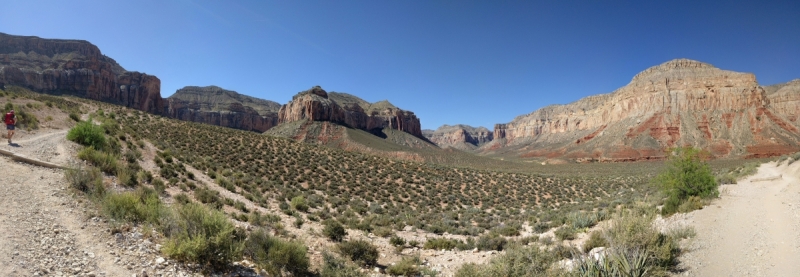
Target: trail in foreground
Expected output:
[752,230]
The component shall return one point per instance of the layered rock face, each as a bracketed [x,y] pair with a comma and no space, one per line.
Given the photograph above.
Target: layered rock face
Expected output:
[317,105]
[459,136]
[75,67]
[681,102]
[216,106]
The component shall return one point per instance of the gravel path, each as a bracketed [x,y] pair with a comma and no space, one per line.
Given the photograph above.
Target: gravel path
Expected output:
[752,230]
[47,231]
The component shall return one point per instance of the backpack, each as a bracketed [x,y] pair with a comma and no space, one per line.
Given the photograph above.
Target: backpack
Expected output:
[9,118]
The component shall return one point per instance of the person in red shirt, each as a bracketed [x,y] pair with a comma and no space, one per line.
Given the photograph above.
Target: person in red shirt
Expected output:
[11,120]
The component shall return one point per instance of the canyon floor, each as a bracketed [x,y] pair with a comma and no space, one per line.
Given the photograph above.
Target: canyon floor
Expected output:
[753,229]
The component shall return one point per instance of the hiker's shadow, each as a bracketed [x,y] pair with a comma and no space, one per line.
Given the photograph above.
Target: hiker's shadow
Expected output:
[14,144]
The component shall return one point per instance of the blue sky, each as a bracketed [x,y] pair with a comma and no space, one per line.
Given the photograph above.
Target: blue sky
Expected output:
[470,62]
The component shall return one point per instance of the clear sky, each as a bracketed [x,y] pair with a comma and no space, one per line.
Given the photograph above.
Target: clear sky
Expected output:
[464,61]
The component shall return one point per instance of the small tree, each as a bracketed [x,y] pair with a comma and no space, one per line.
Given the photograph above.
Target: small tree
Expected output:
[334,230]
[687,174]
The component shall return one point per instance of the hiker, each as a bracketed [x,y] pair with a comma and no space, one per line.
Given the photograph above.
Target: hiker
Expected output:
[11,120]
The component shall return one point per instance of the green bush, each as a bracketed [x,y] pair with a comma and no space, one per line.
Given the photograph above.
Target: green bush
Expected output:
[517,261]
[565,233]
[491,242]
[142,205]
[595,240]
[631,231]
[442,244]
[335,267]
[87,134]
[360,251]
[299,203]
[686,175]
[75,117]
[408,266]
[198,235]
[89,181]
[334,230]
[105,161]
[397,241]
[276,255]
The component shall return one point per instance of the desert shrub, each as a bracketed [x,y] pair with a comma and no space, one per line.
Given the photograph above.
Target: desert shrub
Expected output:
[26,119]
[580,220]
[87,134]
[105,161]
[686,175]
[408,266]
[565,233]
[198,235]
[540,227]
[508,231]
[360,251]
[442,243]
[383,232]
[335,267]
[142,205]
[517,261]
[334,230]
[683,232]
[631,231]
[159,186]
[276,255]
[397,241]
[595,240]
[630,263]
[691,204]
[88,180]
[299,203]
[491,242]
[75,117]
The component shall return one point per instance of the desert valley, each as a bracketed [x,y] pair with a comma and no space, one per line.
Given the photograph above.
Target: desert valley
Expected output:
[664,176]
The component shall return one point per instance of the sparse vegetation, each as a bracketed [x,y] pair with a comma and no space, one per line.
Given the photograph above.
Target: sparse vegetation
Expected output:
[360,251]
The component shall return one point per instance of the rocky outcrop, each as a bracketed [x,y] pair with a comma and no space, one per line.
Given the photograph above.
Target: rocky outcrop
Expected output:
[75,67]
[316,104]
[784,99]
[216,106]
[680,102]
[459,136]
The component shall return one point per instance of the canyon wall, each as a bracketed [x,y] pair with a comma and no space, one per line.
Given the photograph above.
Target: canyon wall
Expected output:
[75,67]
[680,102]
[459,136]
[216,106]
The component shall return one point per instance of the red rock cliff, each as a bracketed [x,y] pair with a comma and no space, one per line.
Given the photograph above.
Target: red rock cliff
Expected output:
[75,67]
[315,104]
[459,136]
[680,102]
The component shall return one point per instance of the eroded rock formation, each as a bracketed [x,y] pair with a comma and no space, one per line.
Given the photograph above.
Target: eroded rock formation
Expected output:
[318,105]
[681,102]
[459,136]
[75,67]
[217,106]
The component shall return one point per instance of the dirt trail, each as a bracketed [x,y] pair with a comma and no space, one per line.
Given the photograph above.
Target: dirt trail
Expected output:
[752,230]
[46,231]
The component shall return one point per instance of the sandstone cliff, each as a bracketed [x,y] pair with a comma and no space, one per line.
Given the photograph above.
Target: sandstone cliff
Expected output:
[316,104]
[75,67]
[459,136]
[680,102]
[216,106]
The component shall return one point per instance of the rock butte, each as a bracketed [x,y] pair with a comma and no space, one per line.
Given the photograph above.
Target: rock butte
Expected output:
[316,105]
